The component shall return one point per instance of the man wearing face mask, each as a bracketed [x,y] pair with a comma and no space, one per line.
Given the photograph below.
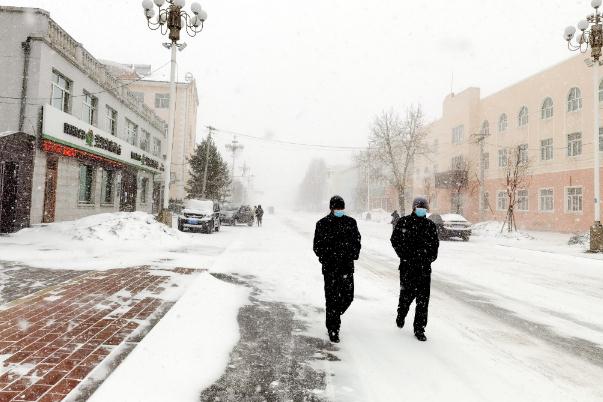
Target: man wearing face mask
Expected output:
[337,246]
[415,239]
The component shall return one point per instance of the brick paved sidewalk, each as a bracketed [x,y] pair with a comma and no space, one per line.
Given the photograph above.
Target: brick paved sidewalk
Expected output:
[51,342]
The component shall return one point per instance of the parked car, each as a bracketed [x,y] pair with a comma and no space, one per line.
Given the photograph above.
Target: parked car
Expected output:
[451,225]
[245,215]
[201,215]
[228,214]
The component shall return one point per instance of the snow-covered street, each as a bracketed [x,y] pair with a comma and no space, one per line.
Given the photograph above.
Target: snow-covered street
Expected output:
[505,322]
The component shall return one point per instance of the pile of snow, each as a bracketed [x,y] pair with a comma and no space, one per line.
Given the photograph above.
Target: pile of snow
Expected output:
[492,229]
[580,239]
[110,227]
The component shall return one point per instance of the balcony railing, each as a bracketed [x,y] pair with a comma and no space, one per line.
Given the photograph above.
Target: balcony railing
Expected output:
[74,51]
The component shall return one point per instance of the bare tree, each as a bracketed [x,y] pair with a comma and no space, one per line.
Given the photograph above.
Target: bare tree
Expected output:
[517,176]
[370,173]
[397,142]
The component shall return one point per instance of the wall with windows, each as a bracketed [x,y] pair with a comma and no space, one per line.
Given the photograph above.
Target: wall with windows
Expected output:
[547,118]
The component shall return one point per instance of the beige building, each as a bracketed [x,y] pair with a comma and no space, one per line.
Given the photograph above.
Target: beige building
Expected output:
[549,117]
[154,91]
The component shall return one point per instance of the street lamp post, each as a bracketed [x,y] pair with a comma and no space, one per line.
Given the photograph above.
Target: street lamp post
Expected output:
[590,38]
[170,20]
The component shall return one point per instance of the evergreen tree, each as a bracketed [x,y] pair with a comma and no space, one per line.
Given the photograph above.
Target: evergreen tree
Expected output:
[218,175]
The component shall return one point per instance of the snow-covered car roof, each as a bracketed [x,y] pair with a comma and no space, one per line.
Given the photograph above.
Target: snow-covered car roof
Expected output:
[453,217]
[199,205]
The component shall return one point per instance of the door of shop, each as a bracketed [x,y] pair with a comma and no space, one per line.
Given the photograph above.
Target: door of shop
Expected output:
[50,189]
[8,195]
[129,189]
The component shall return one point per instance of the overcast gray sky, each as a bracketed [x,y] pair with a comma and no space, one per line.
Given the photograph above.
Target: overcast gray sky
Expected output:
[318,71]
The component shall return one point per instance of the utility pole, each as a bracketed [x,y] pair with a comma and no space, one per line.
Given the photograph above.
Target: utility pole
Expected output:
[481,138]
[207,144]
[233,147]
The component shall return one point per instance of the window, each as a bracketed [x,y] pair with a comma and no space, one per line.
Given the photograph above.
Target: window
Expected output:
[86,192]
[546,149]
[601,139]
[574,144]
[502,123]
[523,153]
[546,200]
[61,92]
[457,163]
[574,199]
[132,133]
[485,128]
[547,109]
[107,186]
[162,101]
[145,141]
[156,147]
[144,184]
[522,200]
[139,96]
[486,161]
[111,121]
[502,158]
[457,134]
[89,108]
[523,116]
[485,201]
[601,91]
[501,200]
[574,100]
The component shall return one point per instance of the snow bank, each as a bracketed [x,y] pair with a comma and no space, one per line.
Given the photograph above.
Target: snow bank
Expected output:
[111,240]
[492,229]
[185,352]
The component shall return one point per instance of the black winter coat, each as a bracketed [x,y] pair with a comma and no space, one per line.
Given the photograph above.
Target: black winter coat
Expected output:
[337,242]
[416,243]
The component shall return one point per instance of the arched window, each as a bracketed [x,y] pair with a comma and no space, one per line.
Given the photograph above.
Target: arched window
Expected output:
[574,100]
[547,109]
[485,128]
[502,122]
[523,116]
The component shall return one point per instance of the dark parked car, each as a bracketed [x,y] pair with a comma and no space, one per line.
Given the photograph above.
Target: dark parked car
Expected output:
[451,225]
[201,215]
[245,215]
[228,214]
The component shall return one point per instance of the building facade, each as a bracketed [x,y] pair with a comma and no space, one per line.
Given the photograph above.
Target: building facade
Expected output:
[154,90]
[547,120]
[97,148]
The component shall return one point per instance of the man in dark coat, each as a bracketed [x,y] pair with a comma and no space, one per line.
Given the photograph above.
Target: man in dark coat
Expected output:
[259,214]
[415,239]
[395,218]
[337,246]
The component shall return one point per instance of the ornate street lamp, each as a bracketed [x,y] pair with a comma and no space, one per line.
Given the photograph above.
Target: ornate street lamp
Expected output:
[590,38]
[170,20]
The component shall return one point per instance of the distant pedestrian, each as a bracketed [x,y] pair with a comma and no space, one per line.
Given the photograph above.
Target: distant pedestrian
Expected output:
[395,218]
[259,214]
[337,245]
[415,239]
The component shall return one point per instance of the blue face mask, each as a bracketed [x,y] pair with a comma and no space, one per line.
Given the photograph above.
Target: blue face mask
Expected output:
[421,212]
[339,213]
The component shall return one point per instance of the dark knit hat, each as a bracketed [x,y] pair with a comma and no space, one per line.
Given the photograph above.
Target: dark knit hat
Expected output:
[420,202]
[336,202]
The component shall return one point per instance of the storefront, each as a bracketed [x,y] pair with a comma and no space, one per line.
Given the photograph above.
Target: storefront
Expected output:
[87,170]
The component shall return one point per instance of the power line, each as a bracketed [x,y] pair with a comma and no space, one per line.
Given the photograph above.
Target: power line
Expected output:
[292,143]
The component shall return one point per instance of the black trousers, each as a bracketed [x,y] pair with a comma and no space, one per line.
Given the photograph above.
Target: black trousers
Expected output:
[414,287]
[339,294]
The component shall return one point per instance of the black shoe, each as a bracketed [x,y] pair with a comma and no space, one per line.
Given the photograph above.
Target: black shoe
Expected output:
[334,336]
[400,322]
[421,336]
